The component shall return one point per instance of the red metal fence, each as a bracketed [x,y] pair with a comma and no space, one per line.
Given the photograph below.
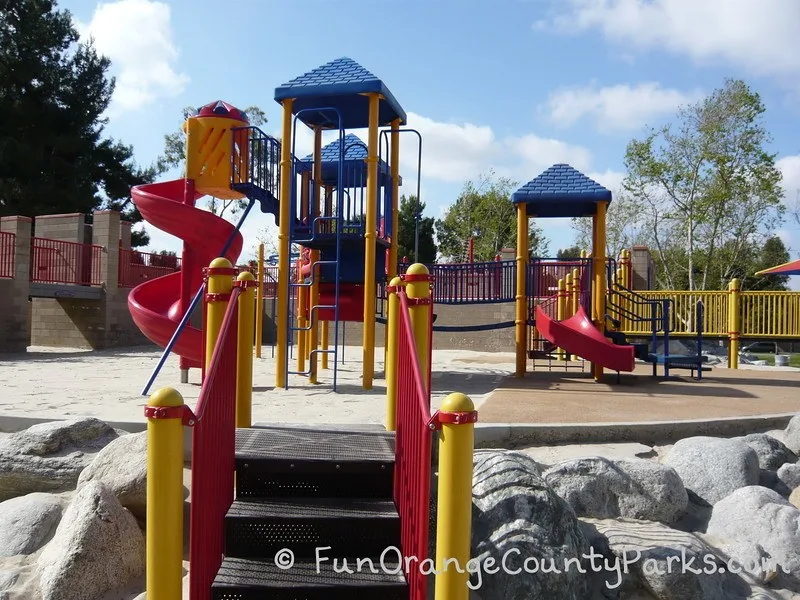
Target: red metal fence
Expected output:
[472,283]
[213,450]
[412,455]
[57,261]
[137,267]
[8,243]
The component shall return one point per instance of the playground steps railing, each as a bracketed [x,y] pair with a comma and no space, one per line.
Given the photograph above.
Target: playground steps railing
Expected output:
[255,167]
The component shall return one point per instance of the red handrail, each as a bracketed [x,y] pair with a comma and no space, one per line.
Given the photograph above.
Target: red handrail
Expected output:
[412,455]
[58,261]
[8,243]
[213,462]
[137,267]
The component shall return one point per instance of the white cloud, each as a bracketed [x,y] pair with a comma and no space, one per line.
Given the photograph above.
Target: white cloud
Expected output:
[615,108]
[789,166]
[609,179]
[760,36]
[136,35]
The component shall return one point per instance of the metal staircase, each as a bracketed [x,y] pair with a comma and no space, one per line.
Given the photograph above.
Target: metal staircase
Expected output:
[306,495]
[255,168]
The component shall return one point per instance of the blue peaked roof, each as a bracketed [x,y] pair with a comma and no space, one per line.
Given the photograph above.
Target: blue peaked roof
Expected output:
[561,191]
[354,167]
[341,85]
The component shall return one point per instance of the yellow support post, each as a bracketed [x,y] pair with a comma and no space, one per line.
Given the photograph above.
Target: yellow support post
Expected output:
[283,245]
[368,342]
[313,299]
[454,506]
[244,355]
[734,322]
[164,539]
[419,294]
[392,343]
[220,283]
[561,308]
[599,258]
[521,297]
[576,291]
[260,300]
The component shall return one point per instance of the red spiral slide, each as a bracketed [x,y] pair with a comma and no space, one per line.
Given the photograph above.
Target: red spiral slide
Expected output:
[156,305]
[578,335]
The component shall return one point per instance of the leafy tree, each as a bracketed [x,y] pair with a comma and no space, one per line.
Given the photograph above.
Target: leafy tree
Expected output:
[174,156]
[54,156]
[485,212]
[773,253]
[409,208]
[625,226]
[707,189]
[569,253]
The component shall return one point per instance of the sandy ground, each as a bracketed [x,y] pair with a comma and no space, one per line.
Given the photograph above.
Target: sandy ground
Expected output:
[62,383]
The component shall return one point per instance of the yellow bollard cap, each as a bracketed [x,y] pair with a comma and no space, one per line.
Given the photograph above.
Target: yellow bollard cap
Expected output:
[221,263]
[165,397]
[417,269]
[246,276]
[396,281]
[457,402]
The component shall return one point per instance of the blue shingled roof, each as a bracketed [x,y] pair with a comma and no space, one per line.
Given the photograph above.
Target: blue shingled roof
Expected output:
[354,168]
[339,84]
[561,191]
[354,149]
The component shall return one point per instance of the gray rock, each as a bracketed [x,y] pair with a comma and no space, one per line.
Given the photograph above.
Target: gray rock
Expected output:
[517,517]
[49,457]
[791,435]
[98,547]
[746,557]
[756,515]
[8,579]
[712,468]
[28,522]
[634,488]
[772,453]
[789,474]
[670,564]
[122,467]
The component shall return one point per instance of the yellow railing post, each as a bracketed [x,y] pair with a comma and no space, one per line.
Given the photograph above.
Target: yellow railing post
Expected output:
[392,343]
[419,296]
[454,508]
[244,355]
[164,540]
[260,300]
[734,323]
[521,293]
[220,283]
[561,309]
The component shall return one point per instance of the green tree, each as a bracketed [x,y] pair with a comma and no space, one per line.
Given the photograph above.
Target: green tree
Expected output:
[409,208]
[54,156]
[707,189]
[484,211]
[625,226]
[174,157]
[569,253]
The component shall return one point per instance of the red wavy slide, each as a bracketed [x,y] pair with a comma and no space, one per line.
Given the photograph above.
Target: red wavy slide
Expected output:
[578,335]
[155,305]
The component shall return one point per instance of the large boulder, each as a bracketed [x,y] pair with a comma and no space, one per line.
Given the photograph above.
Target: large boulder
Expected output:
[27,522]
[669,564]
[98,547]
[772,453]
[122,467]
[522,524]
[789,475]
[791,435]
[759,516]
[635,488]
[712,468]
[49,457]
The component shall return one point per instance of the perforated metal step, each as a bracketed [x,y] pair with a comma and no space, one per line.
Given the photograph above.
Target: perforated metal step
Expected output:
[289,462]
[352,527]
[240,579]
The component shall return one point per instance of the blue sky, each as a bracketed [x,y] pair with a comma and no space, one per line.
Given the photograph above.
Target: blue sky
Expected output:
[510,85]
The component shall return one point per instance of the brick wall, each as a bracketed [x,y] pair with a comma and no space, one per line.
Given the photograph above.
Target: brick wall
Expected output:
[15,310]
